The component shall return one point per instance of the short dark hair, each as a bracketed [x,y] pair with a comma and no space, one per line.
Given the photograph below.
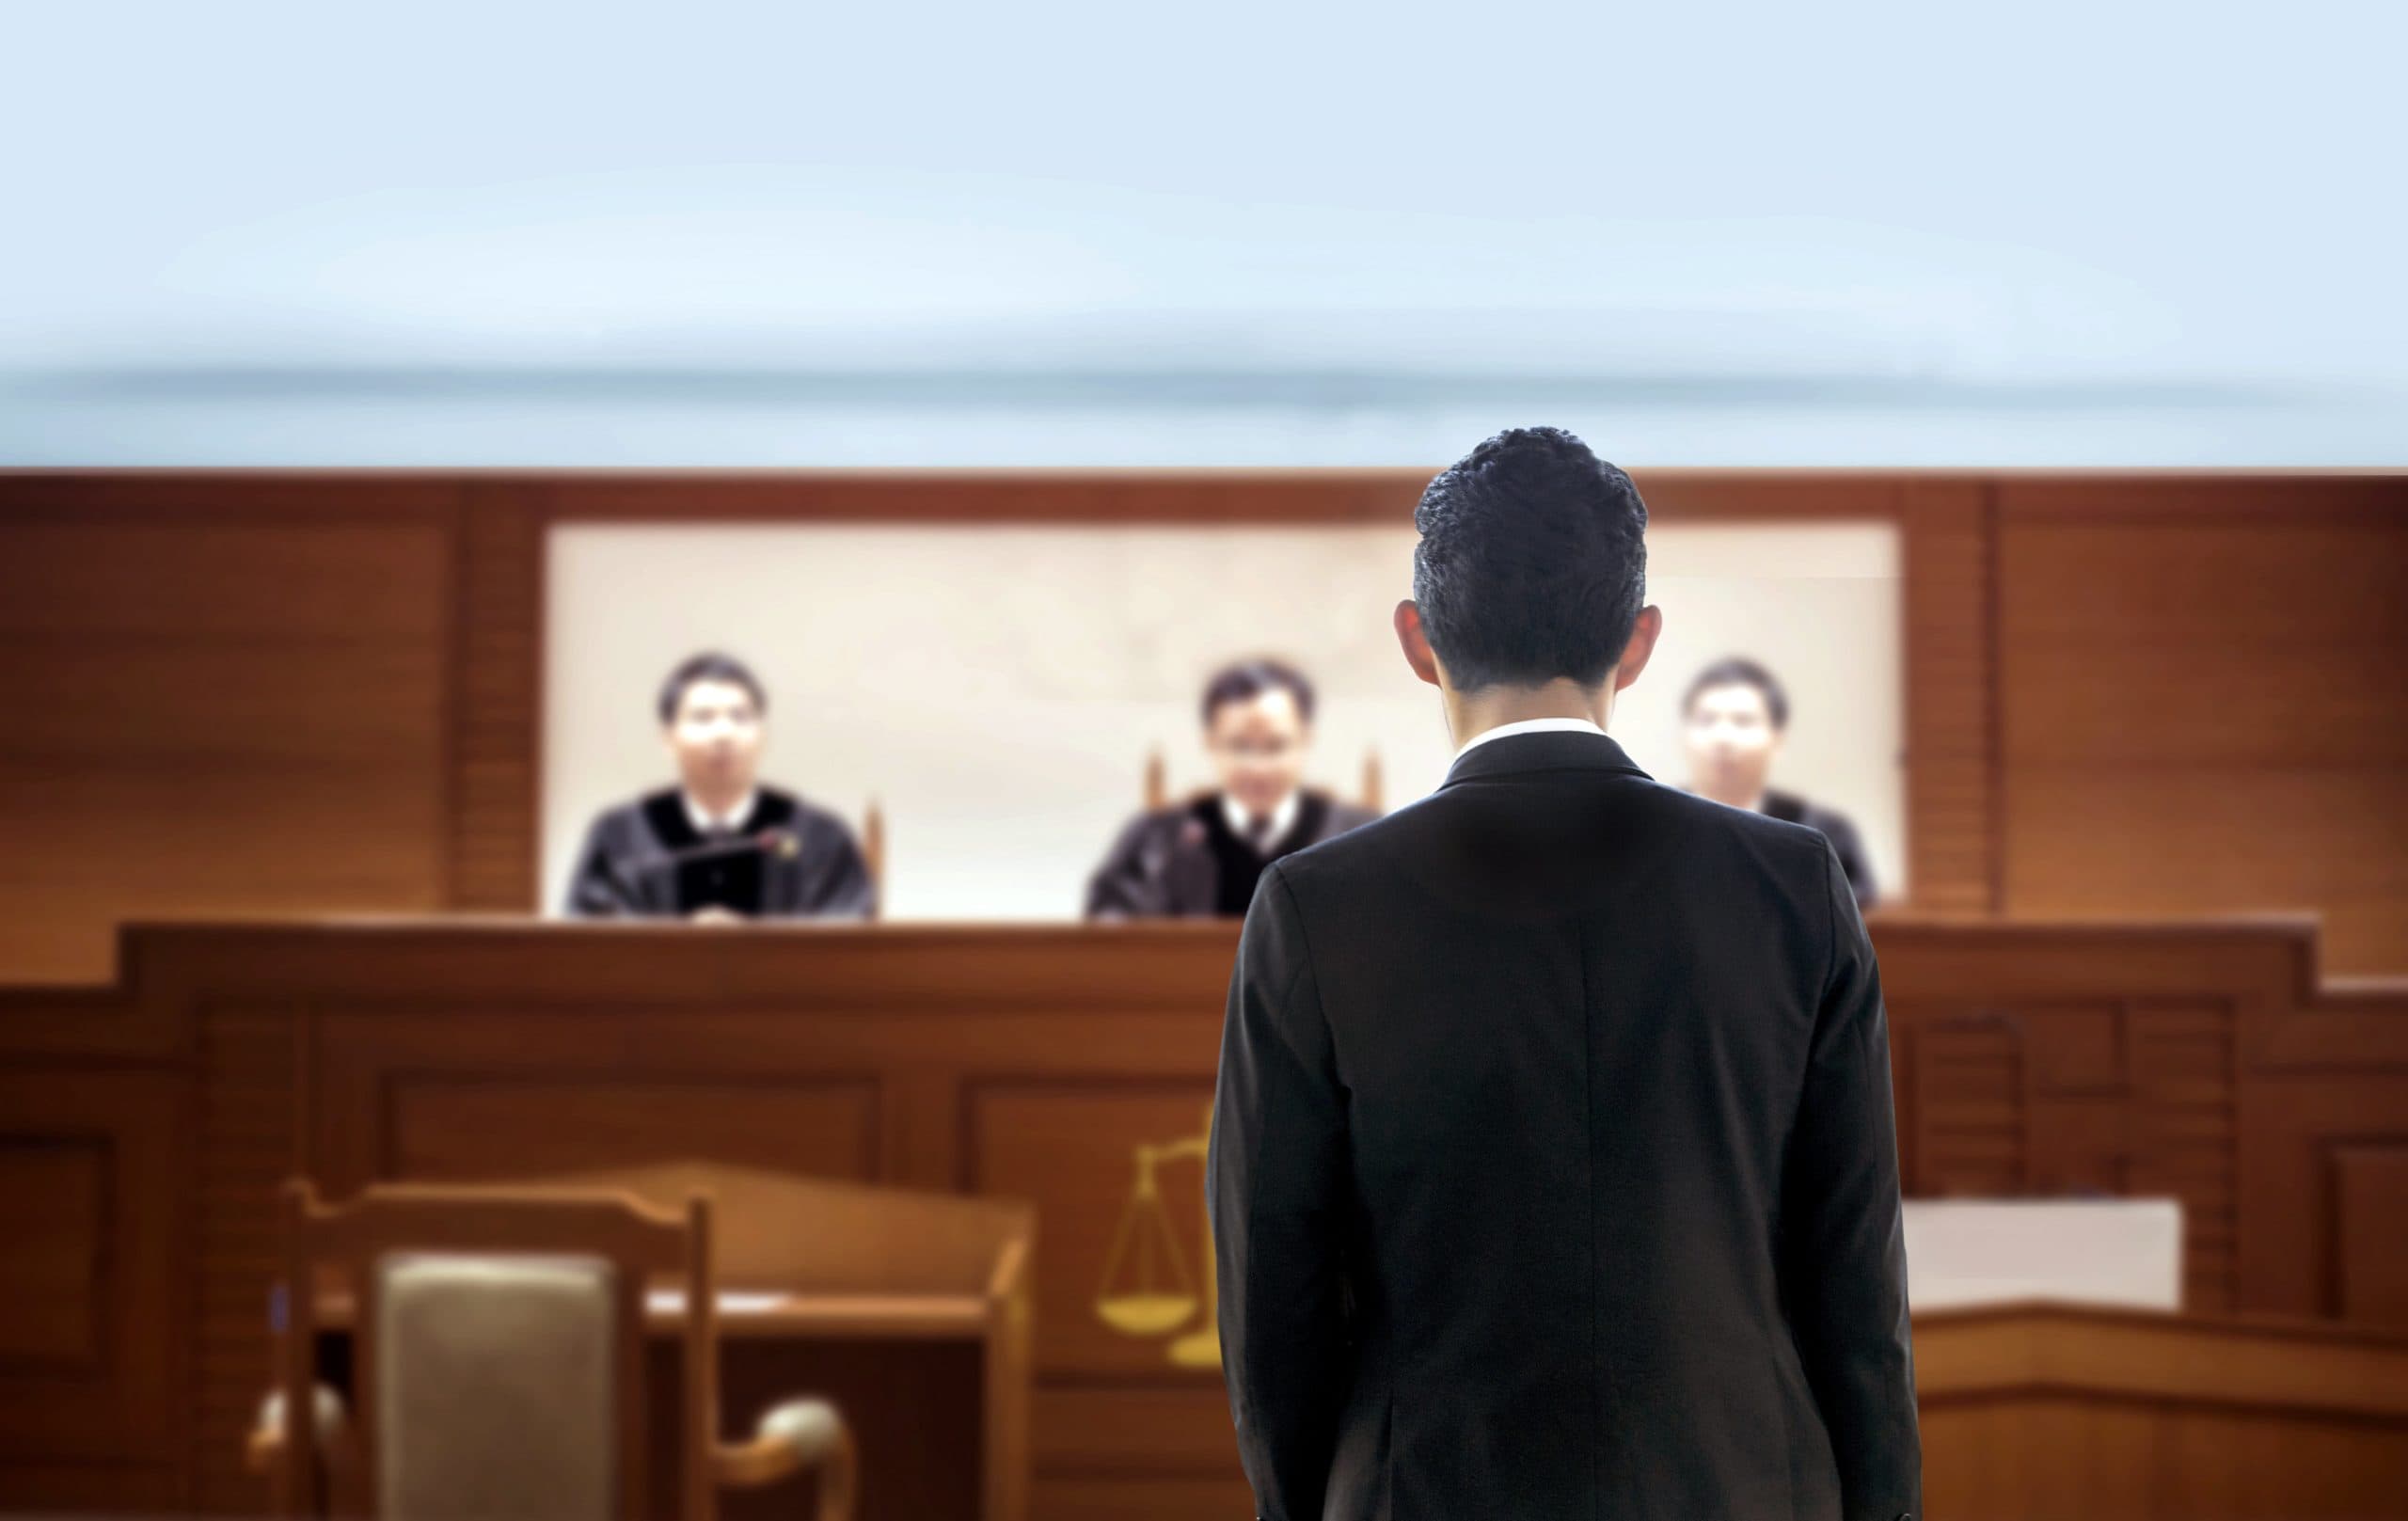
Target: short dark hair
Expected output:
[1245,680]
[1533,564]
[1738,671]
[710,665]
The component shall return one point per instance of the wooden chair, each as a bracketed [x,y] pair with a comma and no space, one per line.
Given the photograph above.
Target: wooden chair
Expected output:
[874,856]
[499,1366]
[1158,784]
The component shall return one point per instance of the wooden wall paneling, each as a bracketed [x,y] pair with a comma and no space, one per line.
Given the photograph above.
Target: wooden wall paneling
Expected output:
[2297,1250]
[2078,1092]
[91,1342]
[2370,1232]
[1948,580]
[2200,700]
[1098,497]
[497,688]
[2096,1059]
[402,1096]
[2324,1110]
[228,698]
[1971,1136]
[112,1488]
[2112,1096]
[1166,1429]
[253,1081]
[2186,1141]
[2350,1024]
[135,1020]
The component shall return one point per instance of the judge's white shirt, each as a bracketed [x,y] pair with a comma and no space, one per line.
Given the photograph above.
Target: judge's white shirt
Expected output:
[1283,818]
[706,823]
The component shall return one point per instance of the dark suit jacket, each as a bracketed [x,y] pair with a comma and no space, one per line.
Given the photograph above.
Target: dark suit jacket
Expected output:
[1163,864]
[626,867]
[1553,1171]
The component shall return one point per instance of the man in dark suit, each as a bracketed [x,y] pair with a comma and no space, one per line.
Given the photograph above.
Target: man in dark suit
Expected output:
[1553,1171]
[1199,859]
[719,845]
[1734,718]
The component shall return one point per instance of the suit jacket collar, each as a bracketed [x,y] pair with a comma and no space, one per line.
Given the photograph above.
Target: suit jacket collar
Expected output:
[1555,750]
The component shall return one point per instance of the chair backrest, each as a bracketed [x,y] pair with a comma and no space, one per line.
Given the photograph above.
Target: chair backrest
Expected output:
[1158,783]
[497,1350]
[874,856]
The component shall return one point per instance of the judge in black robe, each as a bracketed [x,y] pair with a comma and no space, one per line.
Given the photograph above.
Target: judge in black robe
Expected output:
[1835,827]
[1202,857]
[1188,861]
[718,845]
[1734,718]
[787,859]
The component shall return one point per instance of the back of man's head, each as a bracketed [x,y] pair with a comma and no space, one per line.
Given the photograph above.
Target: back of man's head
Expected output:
[1532,565]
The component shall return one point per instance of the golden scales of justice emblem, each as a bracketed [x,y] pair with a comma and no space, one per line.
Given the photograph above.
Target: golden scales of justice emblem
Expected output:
[1147,1290]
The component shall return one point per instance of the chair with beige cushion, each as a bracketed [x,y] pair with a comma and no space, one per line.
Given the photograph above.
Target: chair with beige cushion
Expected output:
[497,1370]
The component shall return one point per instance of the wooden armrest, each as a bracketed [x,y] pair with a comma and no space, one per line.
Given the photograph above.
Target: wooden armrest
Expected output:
[266,1442]
[798,1434]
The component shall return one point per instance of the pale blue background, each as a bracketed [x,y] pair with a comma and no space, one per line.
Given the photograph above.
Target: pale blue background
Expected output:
[1833,234]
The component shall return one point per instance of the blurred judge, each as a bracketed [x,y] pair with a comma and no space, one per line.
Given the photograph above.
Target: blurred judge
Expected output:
[1732,723]
[718,846]
[1201,859]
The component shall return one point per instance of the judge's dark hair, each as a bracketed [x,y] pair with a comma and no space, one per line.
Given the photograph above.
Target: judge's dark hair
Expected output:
[709,666]
[1533,564]
[1738,671]
[1246,680]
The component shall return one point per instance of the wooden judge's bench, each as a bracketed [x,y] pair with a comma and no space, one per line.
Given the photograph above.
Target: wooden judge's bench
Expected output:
[147,1126]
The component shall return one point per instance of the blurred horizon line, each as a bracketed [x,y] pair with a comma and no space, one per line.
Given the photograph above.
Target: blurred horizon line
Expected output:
[1037,388]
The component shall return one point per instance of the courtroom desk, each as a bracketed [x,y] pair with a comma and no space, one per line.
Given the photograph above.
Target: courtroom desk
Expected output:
[1059,1065]
[2083,1414]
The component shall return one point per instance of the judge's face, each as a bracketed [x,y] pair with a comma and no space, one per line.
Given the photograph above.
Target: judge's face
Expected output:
[717,738]
[1259,747]
[1730,741]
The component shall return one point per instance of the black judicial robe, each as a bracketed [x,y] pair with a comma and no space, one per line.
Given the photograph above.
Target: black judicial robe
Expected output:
[1835,827]
[638,861]
[1185,862]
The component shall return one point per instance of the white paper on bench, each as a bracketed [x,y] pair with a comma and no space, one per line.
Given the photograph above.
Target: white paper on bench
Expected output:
[2121,1251]
[731,1302]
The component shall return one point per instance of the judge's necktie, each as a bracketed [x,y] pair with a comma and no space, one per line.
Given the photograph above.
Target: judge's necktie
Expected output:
[1258,834]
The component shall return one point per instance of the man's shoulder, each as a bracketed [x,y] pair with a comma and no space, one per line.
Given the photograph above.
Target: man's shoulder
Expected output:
[1421,828]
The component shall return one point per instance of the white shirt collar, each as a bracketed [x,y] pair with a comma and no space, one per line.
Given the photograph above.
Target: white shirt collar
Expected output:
[704,823]
[1283,817]
[1531,726]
